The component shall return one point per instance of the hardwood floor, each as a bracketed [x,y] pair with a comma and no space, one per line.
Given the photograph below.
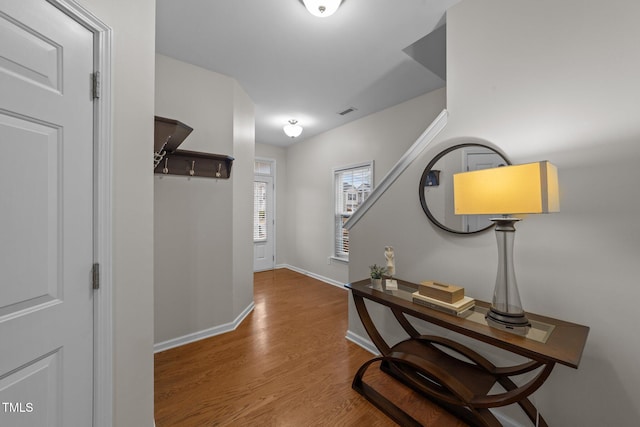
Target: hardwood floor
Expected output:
[287,364]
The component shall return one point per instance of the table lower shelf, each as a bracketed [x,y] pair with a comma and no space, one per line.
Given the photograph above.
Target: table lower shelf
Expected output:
[461,387]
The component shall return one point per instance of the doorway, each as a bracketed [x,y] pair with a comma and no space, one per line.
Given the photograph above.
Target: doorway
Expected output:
[264,223]
[46,252]
[55,187]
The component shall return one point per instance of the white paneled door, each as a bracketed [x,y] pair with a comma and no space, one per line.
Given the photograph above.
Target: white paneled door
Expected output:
[46,217]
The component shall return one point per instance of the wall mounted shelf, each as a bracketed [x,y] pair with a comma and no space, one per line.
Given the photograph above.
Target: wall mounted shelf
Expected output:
[169,134]
[195,163]
[168,160]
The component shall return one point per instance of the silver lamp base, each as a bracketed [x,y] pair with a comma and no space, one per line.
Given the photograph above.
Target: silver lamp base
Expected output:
[507,319]
[506,309]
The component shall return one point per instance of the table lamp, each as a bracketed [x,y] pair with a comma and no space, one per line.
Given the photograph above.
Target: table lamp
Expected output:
[518,189]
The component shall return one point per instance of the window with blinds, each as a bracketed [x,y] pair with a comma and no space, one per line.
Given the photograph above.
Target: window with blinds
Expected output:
[352,185]
[259,211]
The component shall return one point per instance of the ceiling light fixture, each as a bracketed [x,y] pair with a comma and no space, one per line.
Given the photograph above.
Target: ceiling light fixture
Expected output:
[293,129]
[322,8]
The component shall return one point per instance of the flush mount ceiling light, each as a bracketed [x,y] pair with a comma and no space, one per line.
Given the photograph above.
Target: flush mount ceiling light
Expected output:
[293,129]
[322,8]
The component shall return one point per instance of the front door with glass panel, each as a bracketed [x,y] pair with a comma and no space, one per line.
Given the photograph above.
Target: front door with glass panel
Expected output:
[263,218]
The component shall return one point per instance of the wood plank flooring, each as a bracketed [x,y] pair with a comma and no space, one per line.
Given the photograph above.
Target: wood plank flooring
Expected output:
[287,364]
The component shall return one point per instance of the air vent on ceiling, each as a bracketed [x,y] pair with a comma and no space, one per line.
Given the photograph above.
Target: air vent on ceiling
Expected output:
[347,111]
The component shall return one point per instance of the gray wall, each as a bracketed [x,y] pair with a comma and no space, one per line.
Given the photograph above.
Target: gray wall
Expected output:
[382,137]
[242,206]
[133,59]
[554,81]
[203,241]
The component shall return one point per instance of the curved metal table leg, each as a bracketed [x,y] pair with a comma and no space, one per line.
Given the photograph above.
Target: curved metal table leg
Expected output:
[444,371]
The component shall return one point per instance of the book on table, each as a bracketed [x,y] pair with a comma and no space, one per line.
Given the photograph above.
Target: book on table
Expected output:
[456,308]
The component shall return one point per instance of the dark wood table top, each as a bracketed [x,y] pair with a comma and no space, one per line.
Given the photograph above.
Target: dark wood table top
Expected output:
[564,345]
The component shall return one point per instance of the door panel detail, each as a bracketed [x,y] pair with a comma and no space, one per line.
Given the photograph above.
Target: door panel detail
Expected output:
[31,265]
[29,55]
[32,390]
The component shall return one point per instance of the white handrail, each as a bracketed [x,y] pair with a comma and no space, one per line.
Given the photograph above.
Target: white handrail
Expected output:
[407,158]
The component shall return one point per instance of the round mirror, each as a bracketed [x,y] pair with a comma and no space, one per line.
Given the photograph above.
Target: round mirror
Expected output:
[436,186]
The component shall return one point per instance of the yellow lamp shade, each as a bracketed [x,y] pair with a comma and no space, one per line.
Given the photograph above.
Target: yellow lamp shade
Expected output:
[517,189]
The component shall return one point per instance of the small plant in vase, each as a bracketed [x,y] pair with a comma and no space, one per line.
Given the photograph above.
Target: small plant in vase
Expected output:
[376,273]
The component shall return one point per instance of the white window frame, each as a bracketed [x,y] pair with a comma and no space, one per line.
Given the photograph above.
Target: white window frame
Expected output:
[338,212]
[260,235]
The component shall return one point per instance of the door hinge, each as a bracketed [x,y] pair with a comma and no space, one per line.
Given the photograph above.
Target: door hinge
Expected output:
[96,276]
[95,79]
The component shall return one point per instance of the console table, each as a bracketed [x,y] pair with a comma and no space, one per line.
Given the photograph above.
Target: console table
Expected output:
[462,385]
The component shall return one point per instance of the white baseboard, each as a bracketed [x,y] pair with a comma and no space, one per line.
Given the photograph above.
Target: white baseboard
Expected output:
[197,336]
[504,420]
[362,342]
[314,275]
[228,327]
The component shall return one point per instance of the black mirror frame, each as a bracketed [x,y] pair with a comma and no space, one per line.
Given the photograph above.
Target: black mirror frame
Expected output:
[424,177]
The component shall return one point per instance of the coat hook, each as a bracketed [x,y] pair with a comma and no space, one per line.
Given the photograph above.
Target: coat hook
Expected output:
[218,174]
[192,172]
[166,166]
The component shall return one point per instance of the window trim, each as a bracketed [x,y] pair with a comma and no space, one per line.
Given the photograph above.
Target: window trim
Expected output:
[334,240]
[274,207]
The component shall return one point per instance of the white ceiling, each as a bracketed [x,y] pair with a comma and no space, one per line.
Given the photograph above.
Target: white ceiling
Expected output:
[296,66]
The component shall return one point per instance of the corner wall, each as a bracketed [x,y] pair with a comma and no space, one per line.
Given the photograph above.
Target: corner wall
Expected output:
[203,243]
[551,81]
[242,209]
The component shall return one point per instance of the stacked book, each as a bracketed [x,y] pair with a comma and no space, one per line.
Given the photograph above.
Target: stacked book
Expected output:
[446,298]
